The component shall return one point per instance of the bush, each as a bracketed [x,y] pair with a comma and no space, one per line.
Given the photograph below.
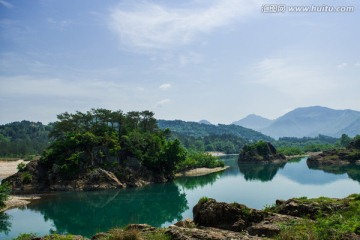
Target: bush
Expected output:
[199,160]
[4,194]
[26,177]
[26,236]
[203,200]
[21,167]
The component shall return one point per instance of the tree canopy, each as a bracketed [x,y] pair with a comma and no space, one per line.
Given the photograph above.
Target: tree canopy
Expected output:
[101,137]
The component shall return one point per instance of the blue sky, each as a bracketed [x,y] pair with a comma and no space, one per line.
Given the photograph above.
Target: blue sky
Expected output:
[218,60]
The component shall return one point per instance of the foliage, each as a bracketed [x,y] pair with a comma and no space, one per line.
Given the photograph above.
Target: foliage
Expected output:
[221,138]
[26,236]
[297,146]
[258,151]
[199,160]
[99,137]
[203,200]
[5,223]
[4,194]
[336,225]
[19,139]
[21,167]
[26,177]
[226,143]
[195,129]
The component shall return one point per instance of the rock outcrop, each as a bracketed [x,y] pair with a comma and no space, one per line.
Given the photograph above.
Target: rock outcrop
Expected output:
[37,178]
[260,152]
[239,218]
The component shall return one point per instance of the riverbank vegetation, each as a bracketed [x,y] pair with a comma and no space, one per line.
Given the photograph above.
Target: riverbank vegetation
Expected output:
[331,219]
[4,194]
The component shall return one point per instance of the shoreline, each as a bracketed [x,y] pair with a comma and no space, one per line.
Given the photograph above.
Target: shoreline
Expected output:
[15,201]
[8,168]
[200,171]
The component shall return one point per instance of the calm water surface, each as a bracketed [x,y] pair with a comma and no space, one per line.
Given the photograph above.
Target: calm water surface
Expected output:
[86,213]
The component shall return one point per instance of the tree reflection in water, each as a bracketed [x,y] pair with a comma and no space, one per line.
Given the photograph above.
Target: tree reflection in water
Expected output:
[260,171]
[5,224]
[86,213]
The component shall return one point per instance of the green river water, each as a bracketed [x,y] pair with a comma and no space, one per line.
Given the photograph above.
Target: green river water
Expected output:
[86,213]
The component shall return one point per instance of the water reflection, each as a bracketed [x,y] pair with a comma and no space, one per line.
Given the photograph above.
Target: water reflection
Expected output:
[352,170]
[86,213]
[5,224]
[191,183]
[260,171]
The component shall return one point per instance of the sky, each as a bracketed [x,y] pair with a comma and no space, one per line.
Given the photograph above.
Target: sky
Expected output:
[218,60]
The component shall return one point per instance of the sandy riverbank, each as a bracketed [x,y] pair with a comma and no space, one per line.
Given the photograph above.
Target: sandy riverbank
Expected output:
[8,168]
[200,171]
[18,201]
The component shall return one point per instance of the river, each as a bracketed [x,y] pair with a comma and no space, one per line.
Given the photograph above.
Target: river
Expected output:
[256,186]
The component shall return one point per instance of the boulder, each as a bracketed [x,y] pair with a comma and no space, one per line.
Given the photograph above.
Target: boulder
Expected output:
[298,208]
[260,152]
[234,216]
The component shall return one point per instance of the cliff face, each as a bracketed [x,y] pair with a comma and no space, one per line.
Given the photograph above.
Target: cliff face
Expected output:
[260,152]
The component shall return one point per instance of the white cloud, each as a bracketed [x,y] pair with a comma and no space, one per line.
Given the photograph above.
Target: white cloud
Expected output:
[163,102]
[6,4]
[165,86]
[292,78]
[357,64]
[151,26]
[342,65]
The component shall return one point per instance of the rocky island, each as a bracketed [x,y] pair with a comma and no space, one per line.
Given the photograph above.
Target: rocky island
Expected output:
[260,152]
[338,157]
[103,149]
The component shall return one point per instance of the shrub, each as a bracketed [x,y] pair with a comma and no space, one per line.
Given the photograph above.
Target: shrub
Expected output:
[21,167]
[4,194]
[26,177]
[26,236]
[203,200]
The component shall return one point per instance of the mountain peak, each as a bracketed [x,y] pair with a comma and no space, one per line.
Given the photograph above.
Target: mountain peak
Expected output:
[312,121]
[205,122]
[253,121]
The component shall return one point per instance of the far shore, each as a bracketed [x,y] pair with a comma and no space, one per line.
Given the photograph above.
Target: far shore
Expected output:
[200,172]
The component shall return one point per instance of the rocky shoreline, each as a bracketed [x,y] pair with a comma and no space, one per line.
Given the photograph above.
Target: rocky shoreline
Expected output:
[218,221]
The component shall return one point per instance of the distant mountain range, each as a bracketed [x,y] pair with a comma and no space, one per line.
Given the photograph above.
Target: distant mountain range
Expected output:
[306,122]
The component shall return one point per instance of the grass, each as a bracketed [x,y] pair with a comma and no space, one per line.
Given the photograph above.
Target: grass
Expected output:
[203,200]
[336,225]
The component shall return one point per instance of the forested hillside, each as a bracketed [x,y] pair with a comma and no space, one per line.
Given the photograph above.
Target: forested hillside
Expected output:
[19,139]
[204,137]
[194,129]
